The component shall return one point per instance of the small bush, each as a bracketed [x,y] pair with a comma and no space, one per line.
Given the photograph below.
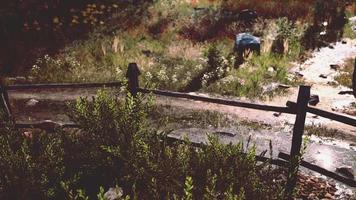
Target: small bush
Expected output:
[345,75]
[250,78]
[31,164]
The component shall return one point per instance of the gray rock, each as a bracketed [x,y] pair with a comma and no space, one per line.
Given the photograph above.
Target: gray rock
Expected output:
[270,69]
[346,171]
[31,103]
[113,193]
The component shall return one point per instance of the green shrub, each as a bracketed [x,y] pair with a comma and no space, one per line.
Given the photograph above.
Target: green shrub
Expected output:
[250,78]
[149,166]
[31,164]
[344,77]
[117,146]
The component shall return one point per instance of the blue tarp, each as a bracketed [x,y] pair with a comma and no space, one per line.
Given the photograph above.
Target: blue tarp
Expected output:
[246,39]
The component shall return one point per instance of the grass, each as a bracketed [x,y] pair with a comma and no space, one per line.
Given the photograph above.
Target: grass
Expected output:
[181,118]
[345,75]
[322,131]
[175,118]
[249,79]
[351,110]
[171,46]
[348,32]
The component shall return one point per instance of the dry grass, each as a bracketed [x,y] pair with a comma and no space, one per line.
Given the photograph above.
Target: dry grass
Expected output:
[345,75]
[185,49]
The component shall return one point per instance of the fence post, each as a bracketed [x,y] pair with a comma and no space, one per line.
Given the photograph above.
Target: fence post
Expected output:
[354,79]
[4,98]
[298,129]
[133,72]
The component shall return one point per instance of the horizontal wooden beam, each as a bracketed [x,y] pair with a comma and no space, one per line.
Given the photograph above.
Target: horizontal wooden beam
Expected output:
[219,101]
[316,168]
[46,125]
[62,85]
[326,114]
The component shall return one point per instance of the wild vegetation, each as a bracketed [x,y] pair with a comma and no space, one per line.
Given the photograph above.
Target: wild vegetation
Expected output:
[116,146]
[171,42]
[345,75]
[180,46]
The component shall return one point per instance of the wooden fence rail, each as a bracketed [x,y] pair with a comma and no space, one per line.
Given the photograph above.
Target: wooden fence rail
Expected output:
[322,113]
[61,85]
[288,110]
[300,109]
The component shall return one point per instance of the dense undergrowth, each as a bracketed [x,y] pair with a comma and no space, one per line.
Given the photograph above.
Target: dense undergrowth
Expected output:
[172,43]
[116,146]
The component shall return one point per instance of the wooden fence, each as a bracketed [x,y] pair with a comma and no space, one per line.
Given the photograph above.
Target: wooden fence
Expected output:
[299,108]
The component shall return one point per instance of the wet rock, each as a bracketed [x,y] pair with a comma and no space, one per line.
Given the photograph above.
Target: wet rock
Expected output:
[322,76]
[31,103]
[353,145]
[346,171]
[314,100]
[113,193]
[343,42]
[331,47]
[334,66]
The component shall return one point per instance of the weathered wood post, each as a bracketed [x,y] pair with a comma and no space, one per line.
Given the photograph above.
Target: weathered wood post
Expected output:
[298,129]
[354,79]
[133,72]
[4,99]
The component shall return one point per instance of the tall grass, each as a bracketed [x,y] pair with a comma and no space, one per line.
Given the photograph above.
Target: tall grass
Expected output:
[251,77]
